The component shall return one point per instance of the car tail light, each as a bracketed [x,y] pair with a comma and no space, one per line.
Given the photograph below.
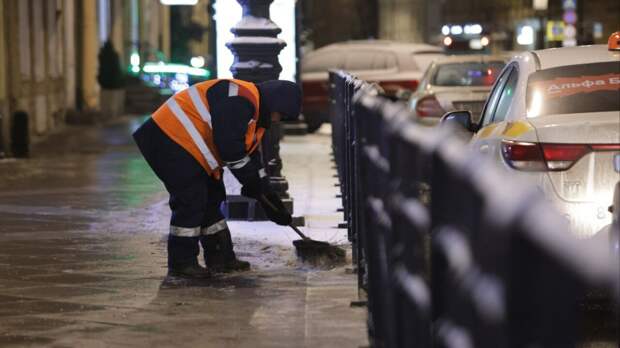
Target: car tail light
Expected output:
[429,107]
[553,157]
[563,156]
[523,156]
[606,147]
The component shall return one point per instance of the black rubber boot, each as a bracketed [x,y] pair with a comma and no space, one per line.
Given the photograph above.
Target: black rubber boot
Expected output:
[183,258]
[219,254]
[189,271]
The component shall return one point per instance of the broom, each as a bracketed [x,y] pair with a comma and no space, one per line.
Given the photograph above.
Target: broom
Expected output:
[313,251]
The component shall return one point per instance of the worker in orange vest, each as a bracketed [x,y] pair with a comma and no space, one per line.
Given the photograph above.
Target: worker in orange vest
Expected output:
[190,139]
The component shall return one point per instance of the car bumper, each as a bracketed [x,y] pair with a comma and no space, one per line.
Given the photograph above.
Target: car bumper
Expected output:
[586,219]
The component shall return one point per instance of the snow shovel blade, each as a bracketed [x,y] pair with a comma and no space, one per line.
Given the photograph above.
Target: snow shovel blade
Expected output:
[315,252]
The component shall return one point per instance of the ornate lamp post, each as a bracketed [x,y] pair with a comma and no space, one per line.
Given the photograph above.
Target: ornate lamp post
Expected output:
[256,49]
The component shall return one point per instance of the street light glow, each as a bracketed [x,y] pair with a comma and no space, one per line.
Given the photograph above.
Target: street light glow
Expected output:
[134,59]
[456,30]
[197,62]
[526,36]
[474,29]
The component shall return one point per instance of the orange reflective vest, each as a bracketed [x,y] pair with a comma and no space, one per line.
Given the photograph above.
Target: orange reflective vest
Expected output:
[186,119]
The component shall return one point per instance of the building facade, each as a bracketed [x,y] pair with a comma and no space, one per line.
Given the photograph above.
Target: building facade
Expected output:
[326,22]
[32,52]
[406,20]
[49,55]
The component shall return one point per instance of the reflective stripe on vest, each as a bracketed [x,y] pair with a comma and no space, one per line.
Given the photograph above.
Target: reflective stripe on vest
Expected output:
[233,89]
[200,106]
[193,132]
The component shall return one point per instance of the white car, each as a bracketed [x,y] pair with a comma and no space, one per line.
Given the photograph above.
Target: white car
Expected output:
[614,232]
[455,83]
[554,116]
[395,66]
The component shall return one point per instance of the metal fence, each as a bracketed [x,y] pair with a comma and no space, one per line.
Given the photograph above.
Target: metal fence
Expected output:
[451,251]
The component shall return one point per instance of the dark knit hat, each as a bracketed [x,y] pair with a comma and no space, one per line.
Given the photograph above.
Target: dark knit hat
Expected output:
[281,96]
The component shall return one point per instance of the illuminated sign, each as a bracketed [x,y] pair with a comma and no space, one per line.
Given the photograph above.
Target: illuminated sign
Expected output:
[569,4]
[159,68]
[540,5]
[555,30]
[570,17]
[282,13]
[570,36]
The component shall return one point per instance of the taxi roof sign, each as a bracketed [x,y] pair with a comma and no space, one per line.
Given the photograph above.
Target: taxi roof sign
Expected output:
[613,44]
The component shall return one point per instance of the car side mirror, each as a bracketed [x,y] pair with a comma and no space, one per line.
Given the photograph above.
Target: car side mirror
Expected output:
[461,117]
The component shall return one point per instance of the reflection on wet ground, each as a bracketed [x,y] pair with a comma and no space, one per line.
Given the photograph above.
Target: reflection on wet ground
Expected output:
[82,261]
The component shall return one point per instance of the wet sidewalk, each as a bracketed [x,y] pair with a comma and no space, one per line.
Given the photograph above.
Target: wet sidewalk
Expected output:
[82,256]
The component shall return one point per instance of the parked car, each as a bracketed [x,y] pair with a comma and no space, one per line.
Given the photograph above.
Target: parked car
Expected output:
[614,231]
[395,66]
[455,83]
[553,116]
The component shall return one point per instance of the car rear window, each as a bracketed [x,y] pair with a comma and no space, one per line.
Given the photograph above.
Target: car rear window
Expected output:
[322,62]
[467,74]
[574,89]
[369,60]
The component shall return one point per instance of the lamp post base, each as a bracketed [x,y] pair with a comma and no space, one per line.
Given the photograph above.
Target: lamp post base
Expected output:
[247,209]
[256,47]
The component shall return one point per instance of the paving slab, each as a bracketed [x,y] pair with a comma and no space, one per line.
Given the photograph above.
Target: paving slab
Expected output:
[83,258]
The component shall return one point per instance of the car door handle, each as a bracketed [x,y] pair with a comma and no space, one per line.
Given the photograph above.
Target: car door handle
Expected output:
[484,148]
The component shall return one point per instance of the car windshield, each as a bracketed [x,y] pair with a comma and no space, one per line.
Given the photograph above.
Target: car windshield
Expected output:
[574,89]
[467,74]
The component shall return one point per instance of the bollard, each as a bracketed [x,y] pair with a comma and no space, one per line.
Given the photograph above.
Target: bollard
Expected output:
[2,151]
[20,137]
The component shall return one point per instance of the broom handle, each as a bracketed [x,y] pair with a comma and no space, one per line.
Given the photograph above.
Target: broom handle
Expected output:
[266,201]
[303,236]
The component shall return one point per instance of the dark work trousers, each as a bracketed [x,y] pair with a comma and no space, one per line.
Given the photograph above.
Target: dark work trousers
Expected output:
[195,197]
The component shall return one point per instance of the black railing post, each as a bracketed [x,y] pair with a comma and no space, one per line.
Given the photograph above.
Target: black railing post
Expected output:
[449,246]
